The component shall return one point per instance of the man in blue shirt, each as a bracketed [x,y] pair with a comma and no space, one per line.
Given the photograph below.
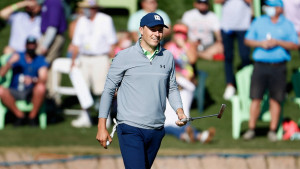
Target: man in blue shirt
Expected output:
[272,35]
[28,81]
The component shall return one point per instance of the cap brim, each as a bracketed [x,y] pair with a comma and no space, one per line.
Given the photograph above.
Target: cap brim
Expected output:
[152,25]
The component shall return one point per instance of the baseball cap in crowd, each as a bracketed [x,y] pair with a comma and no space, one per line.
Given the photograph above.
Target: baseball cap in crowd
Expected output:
[31,40]
[202,1]
[274,3]
[151,20]
[88,4]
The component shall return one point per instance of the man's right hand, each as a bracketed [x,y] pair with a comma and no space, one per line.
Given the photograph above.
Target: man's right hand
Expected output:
[102,134]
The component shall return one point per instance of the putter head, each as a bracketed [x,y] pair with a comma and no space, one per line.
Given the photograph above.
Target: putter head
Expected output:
[221,111]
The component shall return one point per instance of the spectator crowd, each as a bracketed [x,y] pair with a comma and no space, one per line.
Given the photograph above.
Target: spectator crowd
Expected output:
[37,38]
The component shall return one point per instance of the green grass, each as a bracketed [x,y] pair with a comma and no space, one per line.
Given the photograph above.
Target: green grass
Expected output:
[61,134]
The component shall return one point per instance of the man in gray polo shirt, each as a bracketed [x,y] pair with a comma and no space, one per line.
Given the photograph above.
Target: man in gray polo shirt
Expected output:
[145,76]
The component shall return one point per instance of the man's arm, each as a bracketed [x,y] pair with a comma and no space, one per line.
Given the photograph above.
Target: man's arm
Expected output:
[4,69]
[73,49]
[7,11]
[42,75]
[218,36]
[113,79]
[267,44]
[47,41]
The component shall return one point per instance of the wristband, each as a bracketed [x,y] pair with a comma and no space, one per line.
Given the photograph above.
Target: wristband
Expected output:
[14,7]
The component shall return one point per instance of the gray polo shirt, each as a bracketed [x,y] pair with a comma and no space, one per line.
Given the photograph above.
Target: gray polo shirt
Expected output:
[143,87]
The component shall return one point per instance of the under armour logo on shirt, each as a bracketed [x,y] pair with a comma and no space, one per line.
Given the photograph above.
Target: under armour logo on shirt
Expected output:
[162,66]
[156,17]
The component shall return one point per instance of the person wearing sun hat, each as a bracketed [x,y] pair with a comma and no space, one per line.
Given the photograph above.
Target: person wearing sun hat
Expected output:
[271,36]
[144,75]
[93,42]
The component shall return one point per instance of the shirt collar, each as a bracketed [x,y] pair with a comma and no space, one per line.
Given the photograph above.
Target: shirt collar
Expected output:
[148,54]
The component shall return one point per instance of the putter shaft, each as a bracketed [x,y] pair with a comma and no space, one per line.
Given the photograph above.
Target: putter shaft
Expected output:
[194,118]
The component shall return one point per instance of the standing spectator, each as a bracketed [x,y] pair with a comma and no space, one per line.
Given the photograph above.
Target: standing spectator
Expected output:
[185,55]
[94,40]
[145,76]
[147,7]
[291,12]
[28,81]
[272,36]
[23,24]
[204,30]
[53,26]
[235,20]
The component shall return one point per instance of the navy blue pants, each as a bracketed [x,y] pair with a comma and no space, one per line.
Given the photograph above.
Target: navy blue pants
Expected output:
[228,38]
[139,146]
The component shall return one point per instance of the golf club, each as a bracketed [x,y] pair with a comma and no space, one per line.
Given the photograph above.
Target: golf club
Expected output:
[219,115]
[113,131]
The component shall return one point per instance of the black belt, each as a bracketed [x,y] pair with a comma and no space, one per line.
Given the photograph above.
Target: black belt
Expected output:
[272,63]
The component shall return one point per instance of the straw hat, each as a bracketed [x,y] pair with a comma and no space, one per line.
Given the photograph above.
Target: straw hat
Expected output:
[88,4]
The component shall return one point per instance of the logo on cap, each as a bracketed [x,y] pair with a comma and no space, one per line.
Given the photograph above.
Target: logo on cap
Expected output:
[156,17]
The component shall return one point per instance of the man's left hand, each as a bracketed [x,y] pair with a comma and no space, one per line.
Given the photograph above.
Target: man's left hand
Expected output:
[181,116]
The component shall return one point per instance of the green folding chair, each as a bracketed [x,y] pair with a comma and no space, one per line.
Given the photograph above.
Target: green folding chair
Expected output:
[21,104]
[130,5]
[241,104]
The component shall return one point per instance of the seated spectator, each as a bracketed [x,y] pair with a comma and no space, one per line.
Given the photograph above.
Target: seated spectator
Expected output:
[147,6]
[272,36]
[28,82]
[23,24]
[204,30]
[185,55]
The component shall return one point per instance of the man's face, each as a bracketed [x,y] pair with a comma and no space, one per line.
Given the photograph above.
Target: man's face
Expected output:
[201,6]
[152,36]
[30,49]
[31,46]
[149,5]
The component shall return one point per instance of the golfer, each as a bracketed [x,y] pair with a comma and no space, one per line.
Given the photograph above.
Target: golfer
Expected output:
[145,76]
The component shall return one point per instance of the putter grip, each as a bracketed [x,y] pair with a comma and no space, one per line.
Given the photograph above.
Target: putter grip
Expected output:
[184,120]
